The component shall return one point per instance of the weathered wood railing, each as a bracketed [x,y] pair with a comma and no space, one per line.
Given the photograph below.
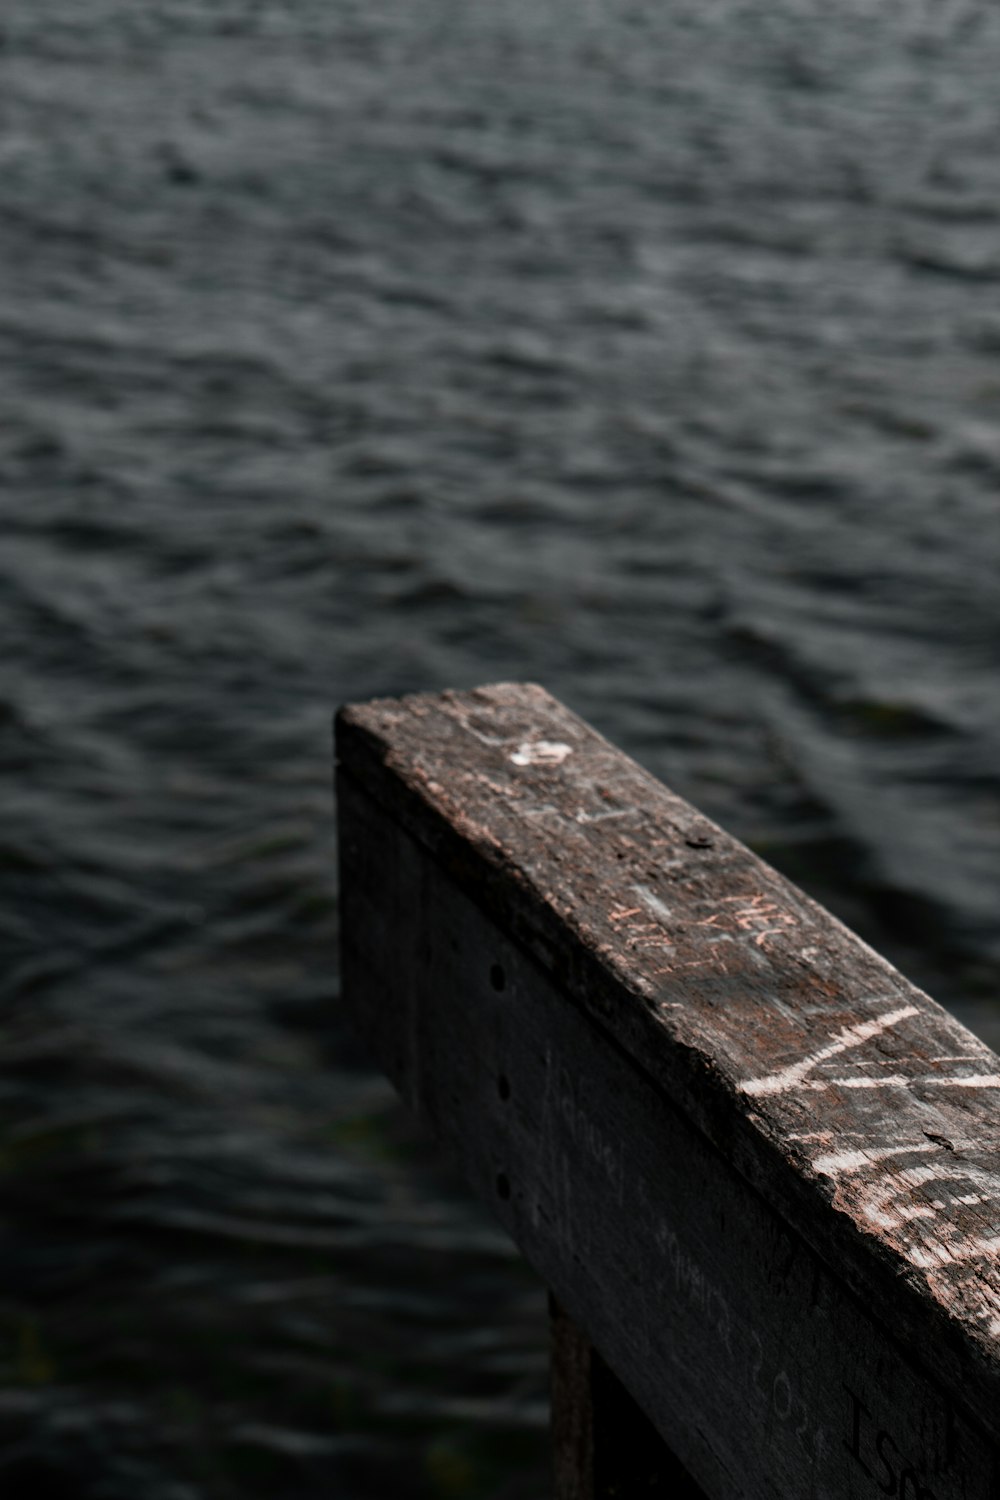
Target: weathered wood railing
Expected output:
[756,1167]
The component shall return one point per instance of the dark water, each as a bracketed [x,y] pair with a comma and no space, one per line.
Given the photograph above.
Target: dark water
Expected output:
[648,350]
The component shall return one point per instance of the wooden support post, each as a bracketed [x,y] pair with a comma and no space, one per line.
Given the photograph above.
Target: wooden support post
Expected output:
[603,1446]
[756,1166]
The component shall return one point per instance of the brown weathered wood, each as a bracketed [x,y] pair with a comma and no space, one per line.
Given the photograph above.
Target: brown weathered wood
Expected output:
[754,1163]
[603,1446]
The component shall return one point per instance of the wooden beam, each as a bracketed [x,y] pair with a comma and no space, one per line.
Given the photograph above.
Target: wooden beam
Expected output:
[755,1165]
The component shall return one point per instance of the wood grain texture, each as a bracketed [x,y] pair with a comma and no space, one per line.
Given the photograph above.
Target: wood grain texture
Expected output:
[801,1144]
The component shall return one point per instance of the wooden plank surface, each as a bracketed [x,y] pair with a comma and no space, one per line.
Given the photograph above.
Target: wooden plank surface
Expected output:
[755,1164]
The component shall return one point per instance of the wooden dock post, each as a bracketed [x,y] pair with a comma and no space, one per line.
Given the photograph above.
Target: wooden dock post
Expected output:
[757,1168]
[603,1446]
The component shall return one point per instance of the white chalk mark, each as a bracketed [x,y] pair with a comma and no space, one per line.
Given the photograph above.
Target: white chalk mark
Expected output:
[852,1036]
[651,900]
[541,753]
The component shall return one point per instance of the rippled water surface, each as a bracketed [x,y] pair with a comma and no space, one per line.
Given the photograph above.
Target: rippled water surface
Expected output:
[648,350]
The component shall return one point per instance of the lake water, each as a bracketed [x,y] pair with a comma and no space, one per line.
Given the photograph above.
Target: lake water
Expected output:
[650,351]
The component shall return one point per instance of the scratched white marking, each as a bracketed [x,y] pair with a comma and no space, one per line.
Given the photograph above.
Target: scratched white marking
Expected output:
[884,1203]
[852,1036]
[652,901]
[895,1080]
[878,1209]
[978,1081]
[482,736]
[541,753]
[899,1080]
[853,1161]
[945,1256]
